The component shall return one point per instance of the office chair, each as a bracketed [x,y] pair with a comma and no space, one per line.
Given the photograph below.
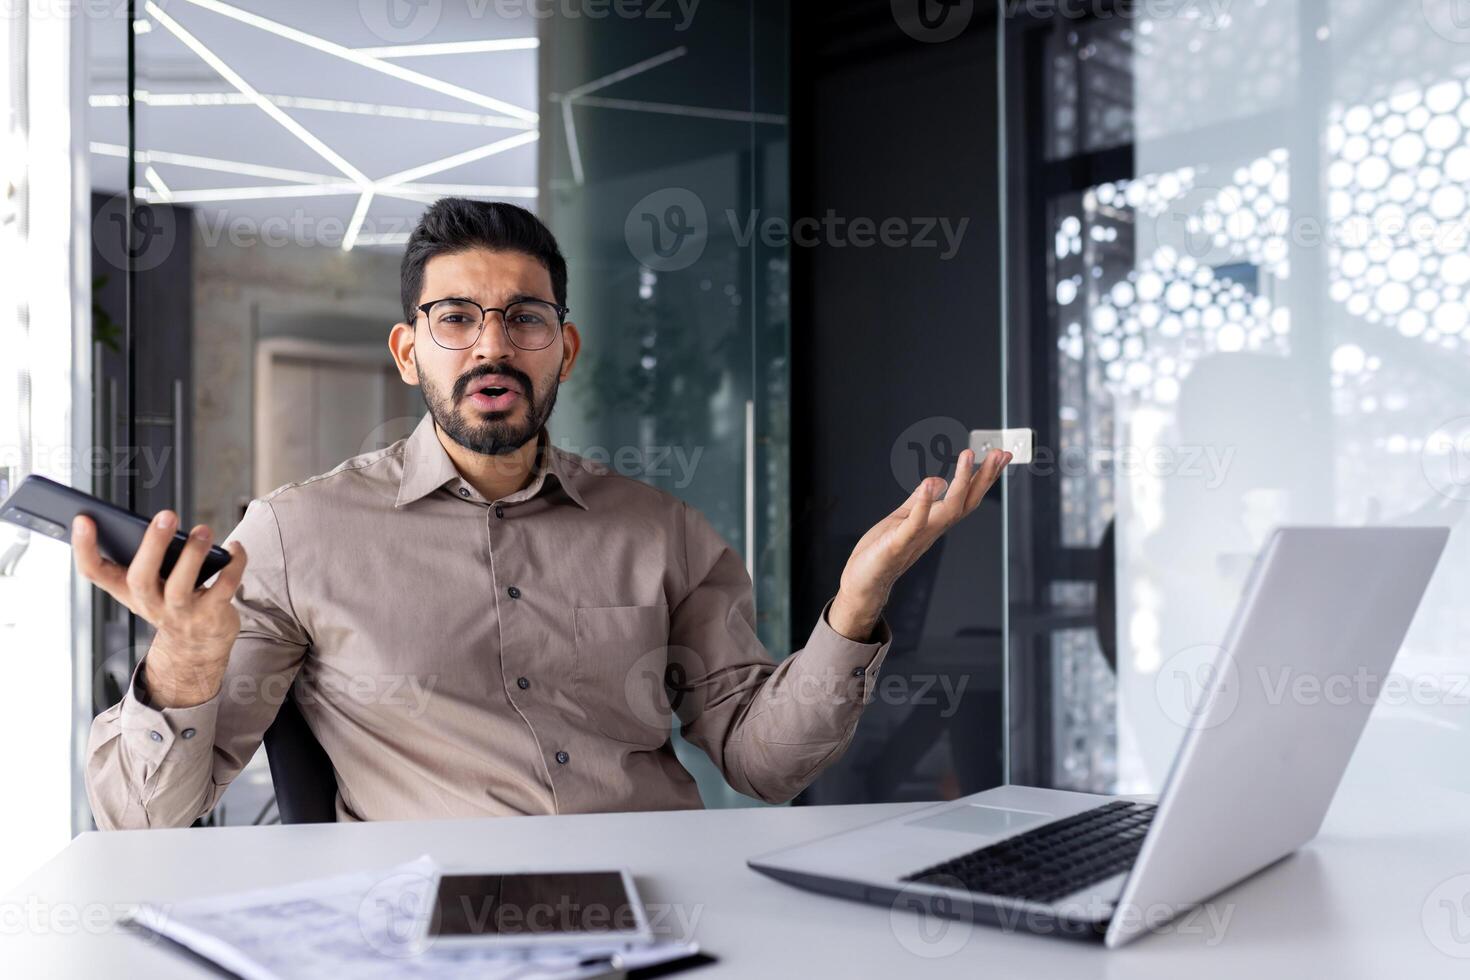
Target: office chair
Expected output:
[305,782]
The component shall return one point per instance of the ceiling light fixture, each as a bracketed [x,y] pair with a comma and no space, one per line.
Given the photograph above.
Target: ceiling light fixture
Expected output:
[451,47]
[366,61]
[458,159]
[234,78]
[172,100]
[355,225]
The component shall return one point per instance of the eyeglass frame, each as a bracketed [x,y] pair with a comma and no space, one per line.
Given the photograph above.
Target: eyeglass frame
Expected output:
[485,311]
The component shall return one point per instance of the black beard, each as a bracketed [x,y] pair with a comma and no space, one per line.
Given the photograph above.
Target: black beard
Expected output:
[489,436]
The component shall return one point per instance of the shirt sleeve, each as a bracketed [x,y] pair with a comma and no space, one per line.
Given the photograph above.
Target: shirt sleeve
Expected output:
[166,767]
[769,728]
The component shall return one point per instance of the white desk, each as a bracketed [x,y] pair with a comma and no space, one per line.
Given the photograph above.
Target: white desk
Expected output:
[1360,901]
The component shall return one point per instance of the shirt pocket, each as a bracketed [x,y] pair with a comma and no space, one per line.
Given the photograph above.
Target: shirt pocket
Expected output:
[622,655]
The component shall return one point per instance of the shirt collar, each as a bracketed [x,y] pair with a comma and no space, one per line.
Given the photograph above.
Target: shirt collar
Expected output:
[427,467]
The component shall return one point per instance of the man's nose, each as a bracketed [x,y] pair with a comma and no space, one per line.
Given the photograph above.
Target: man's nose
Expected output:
[493,344]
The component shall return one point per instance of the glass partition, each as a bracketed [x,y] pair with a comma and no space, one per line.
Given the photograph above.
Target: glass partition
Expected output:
[666,161]
[1238,299]
[278,155]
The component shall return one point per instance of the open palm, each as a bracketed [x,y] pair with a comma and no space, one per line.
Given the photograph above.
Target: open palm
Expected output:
[891,546]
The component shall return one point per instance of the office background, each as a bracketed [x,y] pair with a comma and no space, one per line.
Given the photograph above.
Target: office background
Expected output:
[1215,254]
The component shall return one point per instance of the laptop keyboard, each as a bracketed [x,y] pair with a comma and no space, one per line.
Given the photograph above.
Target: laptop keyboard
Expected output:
[1054,860]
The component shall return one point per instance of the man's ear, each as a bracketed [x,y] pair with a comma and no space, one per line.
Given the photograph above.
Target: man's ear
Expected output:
[571,346]
[400,344]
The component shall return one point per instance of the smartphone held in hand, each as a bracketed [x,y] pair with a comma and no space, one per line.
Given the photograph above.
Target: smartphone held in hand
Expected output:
[48,508]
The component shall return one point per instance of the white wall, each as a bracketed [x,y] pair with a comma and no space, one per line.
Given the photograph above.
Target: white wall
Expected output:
[44,312]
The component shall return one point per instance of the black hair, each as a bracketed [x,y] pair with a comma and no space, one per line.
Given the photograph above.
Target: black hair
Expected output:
[455,224]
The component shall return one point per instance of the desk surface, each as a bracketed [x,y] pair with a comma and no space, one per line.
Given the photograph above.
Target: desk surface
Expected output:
[1383,891]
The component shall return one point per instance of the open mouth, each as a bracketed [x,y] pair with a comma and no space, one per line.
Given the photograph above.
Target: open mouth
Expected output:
[494,397]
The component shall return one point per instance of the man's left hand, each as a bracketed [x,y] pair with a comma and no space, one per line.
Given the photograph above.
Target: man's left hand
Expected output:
[892,546]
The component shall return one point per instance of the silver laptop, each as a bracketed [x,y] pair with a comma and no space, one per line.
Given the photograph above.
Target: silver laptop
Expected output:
[1250,784]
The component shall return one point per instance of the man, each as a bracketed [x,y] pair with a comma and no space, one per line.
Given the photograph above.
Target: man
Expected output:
[475,622]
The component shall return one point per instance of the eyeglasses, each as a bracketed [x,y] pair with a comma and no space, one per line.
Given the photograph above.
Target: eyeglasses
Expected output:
[530,324]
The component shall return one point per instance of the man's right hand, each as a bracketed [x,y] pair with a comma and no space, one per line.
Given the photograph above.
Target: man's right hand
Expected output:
[196,627]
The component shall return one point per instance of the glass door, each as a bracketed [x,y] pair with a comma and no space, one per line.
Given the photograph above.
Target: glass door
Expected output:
[1237,297]
[665,160]
[278,156]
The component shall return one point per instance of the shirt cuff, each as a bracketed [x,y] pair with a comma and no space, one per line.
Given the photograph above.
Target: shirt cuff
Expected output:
[151,732]
[853,659]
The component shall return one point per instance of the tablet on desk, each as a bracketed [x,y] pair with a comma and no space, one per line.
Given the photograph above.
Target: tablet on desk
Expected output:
[592,912]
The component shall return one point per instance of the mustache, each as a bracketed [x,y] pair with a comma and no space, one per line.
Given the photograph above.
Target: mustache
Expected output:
[462,386]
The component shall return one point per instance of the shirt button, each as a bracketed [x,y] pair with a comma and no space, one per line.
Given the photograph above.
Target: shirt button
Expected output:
[859,671]
[522,683]
[499,511]
[188,733]
[513,592]
[464,492]
[155,736]
[563,758]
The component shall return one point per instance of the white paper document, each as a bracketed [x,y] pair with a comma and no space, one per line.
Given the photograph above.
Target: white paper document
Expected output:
[362,925]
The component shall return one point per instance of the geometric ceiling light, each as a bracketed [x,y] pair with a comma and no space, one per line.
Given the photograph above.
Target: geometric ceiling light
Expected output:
[582,95]
[299,183]
[245,88]
[190,100]
[213,163]
[457,160]
[451,47]
[566,99]
[399,185]
[364,60]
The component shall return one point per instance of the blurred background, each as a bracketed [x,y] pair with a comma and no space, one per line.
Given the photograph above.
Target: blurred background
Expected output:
[1214,254]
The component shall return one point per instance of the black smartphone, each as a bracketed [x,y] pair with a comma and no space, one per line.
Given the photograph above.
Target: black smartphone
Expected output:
[48,508]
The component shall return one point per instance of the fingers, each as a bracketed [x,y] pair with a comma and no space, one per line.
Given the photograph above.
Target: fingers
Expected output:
[953,507]
[180,585]
[228,580]
[995,461]
[919,505]
[144,578]
[102,573]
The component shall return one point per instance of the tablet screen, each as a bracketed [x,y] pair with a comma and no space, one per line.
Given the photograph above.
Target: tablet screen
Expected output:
[531,904]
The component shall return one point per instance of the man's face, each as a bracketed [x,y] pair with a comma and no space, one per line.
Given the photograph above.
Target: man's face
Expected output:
[454,382]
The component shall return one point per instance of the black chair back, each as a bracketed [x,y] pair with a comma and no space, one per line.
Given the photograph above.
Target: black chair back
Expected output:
[306,783]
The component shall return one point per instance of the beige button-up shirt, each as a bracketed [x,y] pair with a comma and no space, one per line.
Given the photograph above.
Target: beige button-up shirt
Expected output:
[457,656]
